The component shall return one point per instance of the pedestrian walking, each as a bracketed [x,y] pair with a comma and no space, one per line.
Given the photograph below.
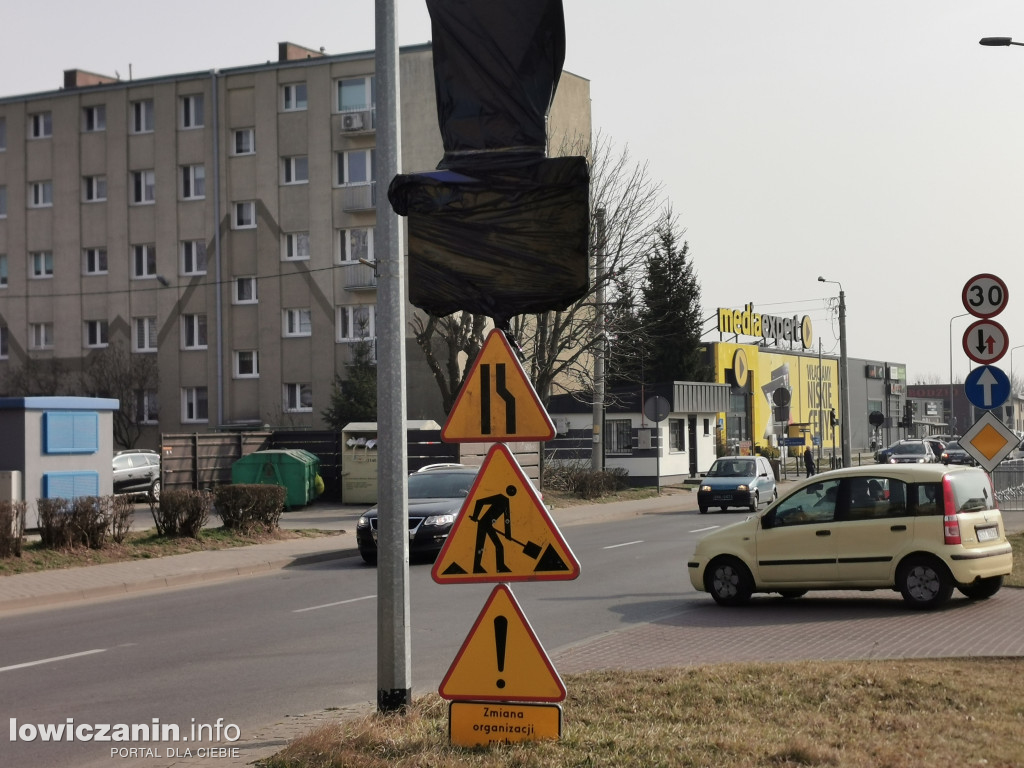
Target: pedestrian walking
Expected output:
[809,462]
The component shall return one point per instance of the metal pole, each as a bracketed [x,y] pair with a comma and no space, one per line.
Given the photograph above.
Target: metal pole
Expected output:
[952,410]
[844,378]
[394,659]
[821,409]
[597,449]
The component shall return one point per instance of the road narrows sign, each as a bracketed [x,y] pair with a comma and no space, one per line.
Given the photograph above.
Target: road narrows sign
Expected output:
[497,401]
[503,532]
[501,658]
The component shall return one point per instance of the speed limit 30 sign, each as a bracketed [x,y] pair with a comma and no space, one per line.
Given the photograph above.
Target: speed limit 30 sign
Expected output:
[985,295]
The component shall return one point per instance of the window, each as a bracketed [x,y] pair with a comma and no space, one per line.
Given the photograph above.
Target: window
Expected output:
[41,335]
[194,405]
[245,215]
[295,169]
[40,264]
[298,397]
[356,93]
[3,342]
[192,111]
[94,118]
[3,270]
[247,364]
[40,194]
[618,436]
[95,333]
[94,188]
[355,166]
[296,246]
[3,134]
[193,257]
[142,116]
[245,141]
[355,244]
[144,261]
[297,322]
[193,182]
[193,331]
[3,201]
[146,406]
[707,427]
[293,97]
[143,187]
[356,323]
[40,125]
[144,334]
[814,504]
[94,261]
[245,290]
[677,435]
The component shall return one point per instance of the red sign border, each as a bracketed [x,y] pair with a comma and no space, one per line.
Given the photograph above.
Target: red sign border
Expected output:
[971,354]
[969,283]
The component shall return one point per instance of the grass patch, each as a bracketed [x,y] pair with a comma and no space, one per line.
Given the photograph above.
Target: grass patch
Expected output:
[140,546]
[557,499]
[862,714]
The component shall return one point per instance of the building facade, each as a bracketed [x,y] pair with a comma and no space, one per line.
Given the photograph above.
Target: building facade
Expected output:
[221,223]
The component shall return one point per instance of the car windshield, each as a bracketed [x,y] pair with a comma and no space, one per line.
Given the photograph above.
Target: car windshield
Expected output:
[732,468]
[911,448]
[440,485]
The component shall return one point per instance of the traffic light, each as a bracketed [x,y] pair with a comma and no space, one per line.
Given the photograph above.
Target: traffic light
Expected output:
[833,419]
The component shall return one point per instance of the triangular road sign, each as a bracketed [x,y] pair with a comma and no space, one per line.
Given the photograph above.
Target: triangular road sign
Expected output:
[497,402]
[503,531]
[501,658]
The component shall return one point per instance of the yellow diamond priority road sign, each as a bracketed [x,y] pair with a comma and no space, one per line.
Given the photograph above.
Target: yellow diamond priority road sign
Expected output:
[497,402]
[503,531]
[989,441]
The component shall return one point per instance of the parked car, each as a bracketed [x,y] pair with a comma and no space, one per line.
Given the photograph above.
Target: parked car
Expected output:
[436,495]
[737,481]
[954,454]
[912,452]
[882,454]
[137,471]
[920,529]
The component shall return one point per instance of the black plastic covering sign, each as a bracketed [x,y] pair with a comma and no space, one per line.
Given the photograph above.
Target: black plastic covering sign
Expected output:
[500,229]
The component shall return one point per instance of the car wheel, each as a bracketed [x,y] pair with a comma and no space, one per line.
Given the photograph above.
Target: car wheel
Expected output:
[154,491]
[924,582]
[728,581]
[982,589]
[370,558]
[703,508]
[754,501]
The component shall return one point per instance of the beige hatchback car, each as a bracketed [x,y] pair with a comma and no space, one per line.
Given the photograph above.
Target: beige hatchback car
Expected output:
[920,529]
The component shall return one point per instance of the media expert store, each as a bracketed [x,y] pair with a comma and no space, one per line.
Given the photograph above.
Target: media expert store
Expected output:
[780,387]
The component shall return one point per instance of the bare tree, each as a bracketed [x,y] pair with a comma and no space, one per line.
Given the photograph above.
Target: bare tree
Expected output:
[116,373]
[447,344]
[45,377]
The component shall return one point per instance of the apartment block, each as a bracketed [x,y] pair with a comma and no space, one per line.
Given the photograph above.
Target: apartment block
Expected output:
[220,222]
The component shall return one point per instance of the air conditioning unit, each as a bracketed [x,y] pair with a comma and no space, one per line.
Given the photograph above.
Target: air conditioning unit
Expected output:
[352,122]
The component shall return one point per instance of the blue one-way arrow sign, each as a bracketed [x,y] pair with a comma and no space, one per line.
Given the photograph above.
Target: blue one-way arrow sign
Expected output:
[987,387]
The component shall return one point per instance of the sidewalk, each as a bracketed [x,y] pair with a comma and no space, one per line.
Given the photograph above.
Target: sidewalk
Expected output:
[45,589]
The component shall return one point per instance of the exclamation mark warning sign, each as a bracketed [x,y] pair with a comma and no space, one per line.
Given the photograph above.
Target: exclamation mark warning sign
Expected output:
[501,658]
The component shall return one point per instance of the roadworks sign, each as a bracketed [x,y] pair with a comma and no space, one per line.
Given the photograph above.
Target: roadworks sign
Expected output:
[501,658]
[503,532]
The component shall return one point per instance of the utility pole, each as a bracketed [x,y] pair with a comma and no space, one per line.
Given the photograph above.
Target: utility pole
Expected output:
[597,449]
[394,665]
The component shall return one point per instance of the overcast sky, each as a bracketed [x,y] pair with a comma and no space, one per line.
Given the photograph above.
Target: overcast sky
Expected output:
[873,142]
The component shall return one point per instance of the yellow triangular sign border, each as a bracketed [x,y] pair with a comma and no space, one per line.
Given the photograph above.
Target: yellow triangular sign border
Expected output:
[536,517]
[537,425]
[463,681]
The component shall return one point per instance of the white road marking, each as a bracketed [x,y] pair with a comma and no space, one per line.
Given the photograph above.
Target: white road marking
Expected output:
[709,528]
[331,605]
[624,544]
[52,658]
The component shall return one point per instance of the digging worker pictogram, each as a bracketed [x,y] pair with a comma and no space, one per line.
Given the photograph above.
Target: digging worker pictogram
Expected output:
[497,507]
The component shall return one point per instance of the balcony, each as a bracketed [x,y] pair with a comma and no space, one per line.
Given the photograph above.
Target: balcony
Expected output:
[359,197]
[357,276]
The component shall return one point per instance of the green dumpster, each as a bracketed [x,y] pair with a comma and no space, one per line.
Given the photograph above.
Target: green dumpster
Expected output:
[292,468]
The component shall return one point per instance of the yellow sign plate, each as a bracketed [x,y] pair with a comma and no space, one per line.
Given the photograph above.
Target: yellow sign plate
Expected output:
[497,402]
[479,724]
[989,441]
[501,658]
[503,532]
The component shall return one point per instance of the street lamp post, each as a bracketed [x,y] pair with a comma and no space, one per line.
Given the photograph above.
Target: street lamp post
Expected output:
[844,374]
[952,410]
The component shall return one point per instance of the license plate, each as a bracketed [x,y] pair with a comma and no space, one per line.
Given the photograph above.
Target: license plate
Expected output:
[988,534]
[723,497]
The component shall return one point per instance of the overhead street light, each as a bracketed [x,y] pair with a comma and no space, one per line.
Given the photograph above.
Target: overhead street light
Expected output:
[844,374]
[998,41]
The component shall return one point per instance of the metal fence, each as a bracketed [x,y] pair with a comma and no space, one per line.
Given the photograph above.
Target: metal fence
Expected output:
[1008,479]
